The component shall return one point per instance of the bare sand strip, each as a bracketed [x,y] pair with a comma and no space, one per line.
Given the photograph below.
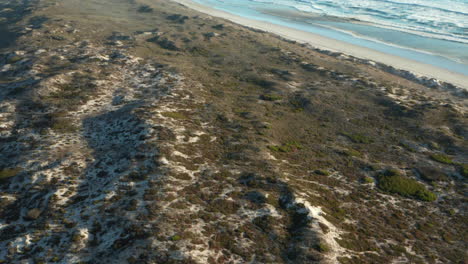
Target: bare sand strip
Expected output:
[317,41]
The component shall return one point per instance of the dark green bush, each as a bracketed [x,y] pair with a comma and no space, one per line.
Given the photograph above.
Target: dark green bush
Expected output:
[432,174]
[287,147]
[358,138]
[322,172]
[322,247]
[145,9]
[368,180]
[64,125]
[405,187]
[352,153]
[174,115]
[8,173]
[270,97]
[442,158]
[464,170]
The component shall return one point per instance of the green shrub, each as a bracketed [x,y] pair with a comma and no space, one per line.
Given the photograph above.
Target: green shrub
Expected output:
[63,125]
[322,172]
[145,9]
[352,153]
[442,158]
[464,170]
[405,187]
[8,173]
[368,180]
[432,174]
[270,97]
[391,172]
[14,59]
[407,147]
[174,115]
[322,247]
[258,81]
[287,147]
[176,238]
[358,138]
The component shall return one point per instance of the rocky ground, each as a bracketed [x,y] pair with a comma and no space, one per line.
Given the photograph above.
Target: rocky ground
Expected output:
[143,132]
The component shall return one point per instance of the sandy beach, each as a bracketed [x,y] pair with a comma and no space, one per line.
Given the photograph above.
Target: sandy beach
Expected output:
[325,43]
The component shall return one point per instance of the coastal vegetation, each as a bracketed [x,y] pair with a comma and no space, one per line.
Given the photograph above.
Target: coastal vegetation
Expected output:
[163,134]
[394,183]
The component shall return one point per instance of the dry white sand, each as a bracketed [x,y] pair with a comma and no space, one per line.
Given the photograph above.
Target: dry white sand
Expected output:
[325,43]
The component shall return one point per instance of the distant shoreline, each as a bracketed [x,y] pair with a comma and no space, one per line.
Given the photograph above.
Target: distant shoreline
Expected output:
[419,72]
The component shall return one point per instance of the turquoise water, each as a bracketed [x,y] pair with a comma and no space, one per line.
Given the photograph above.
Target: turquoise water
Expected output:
[435,36]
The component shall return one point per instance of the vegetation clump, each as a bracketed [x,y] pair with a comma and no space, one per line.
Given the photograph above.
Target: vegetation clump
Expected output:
[258,81]
[322,247]
[352,153]
[464,170]
[14,59]
[145,9]
[368,180]
[270,97]
[63,125]
[165,43]
[358,138]
[174,115]
[393,182]
[322,172]
[177,18]
[432,174]
[442,158]
[176,238]
[290,146]
[8,173]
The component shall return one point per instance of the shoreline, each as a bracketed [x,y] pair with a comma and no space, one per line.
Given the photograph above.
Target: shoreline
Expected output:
[424,74]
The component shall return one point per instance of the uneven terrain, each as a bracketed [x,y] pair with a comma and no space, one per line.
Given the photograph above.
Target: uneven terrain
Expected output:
[136,131]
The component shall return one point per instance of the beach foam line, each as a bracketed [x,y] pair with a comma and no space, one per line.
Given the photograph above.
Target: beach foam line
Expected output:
[421,70]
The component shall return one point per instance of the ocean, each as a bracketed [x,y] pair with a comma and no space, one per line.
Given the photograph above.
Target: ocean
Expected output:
[434,32]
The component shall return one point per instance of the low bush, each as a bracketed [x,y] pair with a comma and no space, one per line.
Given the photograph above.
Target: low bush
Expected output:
[322,247]
[176,238]
[14,59]
[464,170]
[405,187]
[358,138]
[441,158]
[432,174]
[174,115]
[322,172]
[270,97]
[63,125]
[145,9]
[352,153]
[368,180]
[287,147]
[258,81]
[8,173]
